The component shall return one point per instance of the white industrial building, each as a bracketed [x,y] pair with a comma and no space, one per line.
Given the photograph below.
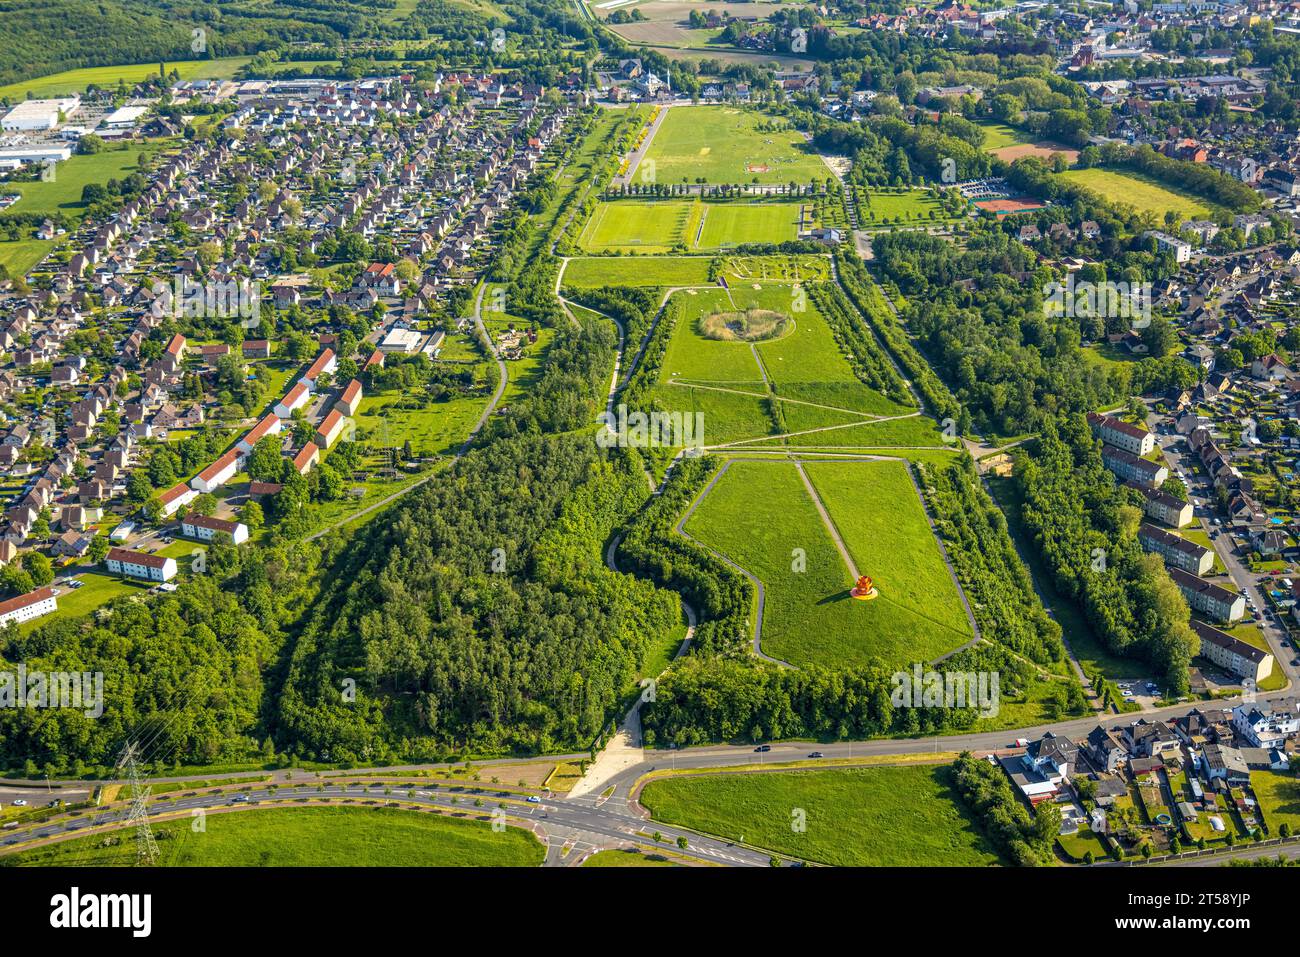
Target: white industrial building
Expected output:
[32,115]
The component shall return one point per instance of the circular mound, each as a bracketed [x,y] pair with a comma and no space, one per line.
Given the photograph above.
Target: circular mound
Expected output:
[751,325]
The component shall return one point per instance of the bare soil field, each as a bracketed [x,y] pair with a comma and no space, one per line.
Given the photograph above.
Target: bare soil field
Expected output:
[1043,150]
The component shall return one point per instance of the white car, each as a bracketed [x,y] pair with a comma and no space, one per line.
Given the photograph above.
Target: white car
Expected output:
[534,799]
[20,803]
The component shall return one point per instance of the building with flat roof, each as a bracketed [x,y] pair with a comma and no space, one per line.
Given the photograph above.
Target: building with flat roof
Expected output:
[33,115]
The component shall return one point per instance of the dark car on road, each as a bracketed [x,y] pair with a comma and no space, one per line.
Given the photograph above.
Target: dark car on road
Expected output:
[763,747]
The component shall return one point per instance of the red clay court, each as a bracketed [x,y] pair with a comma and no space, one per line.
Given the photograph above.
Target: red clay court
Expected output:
[1007,207]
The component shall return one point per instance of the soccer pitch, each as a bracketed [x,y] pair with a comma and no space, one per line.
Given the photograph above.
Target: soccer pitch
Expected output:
[722,144]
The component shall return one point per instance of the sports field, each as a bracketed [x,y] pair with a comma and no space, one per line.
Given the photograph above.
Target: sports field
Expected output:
[310,837]
[1140,192]
[761,516]
[721,144]
[687,225]
[731,224]
[875,817]
[1009,144]
[642,226]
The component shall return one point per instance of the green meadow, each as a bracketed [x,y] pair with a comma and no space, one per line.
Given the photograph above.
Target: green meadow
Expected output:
[855,817]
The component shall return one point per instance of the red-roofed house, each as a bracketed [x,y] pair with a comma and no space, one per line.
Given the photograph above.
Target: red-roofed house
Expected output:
[217,474]
[307,458]
[270,425]
[324,364]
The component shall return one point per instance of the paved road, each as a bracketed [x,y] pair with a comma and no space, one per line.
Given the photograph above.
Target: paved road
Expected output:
[1200,490]
[595,821]
[583,824]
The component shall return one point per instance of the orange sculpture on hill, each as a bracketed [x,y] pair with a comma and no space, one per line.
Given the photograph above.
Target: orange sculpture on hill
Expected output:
[865,589]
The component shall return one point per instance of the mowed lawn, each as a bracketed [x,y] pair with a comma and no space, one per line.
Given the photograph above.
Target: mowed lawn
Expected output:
[807,375]
[731,224]
[721,144]
[312,837]
[854,817]
[597,271]
[1143,194]
[63,193]
[638,225]
[760,515]
[919,614]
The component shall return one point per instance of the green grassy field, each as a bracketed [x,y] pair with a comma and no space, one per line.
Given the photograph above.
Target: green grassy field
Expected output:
[437,429]
[1279,798]
[647,227]
[760,515]
[665,225]
[1145,195]
[107,77]
[594,272]
[803,372]
[63,193]
[878,817]
[731,224]
[627,858]
[878,207]
[723,145]
[20,256]
[998,136]
[97,588]
[311,837]
[919,611]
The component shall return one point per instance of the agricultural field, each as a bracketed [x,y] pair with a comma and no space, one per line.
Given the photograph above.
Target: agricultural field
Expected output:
[1140,192]
[310,837]
[853,817]
[760,513]
[720,144]
[107,77]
